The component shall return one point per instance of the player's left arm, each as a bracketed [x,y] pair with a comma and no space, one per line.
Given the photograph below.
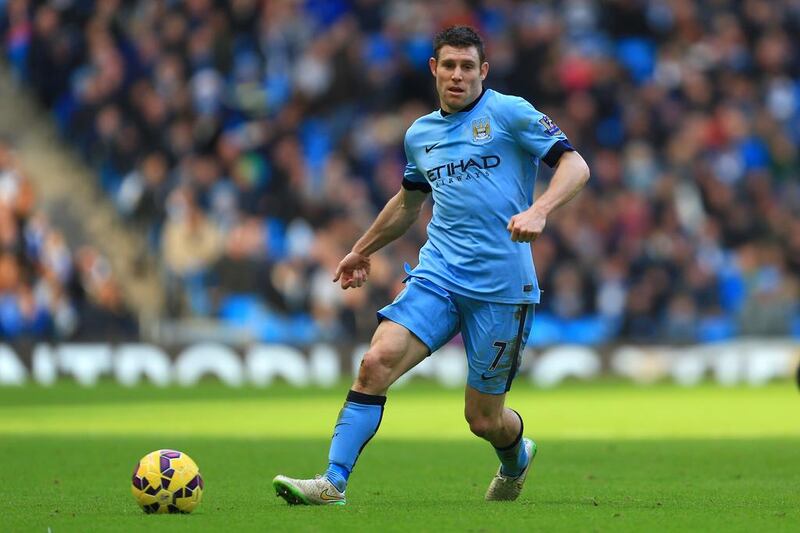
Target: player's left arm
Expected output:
[570,176]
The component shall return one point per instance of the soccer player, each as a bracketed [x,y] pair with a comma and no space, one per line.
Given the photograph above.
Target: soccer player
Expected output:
[479,156]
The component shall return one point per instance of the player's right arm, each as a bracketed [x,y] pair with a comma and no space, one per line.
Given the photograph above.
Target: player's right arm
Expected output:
[395,218]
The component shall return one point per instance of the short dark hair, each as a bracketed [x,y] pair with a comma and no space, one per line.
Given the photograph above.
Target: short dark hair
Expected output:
[458,37]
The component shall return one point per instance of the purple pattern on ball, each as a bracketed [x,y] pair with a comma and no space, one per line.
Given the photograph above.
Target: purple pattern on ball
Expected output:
[165,482]
[171,454]
[137,482]
[164,463]
[194,482]
[168,474]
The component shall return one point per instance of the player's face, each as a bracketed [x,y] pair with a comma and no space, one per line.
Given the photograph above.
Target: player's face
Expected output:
[459,76]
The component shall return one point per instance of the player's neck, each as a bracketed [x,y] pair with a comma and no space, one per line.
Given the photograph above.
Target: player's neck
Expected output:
[466,108]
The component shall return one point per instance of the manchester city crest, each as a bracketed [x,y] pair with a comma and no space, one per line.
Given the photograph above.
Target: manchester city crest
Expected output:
[481,130]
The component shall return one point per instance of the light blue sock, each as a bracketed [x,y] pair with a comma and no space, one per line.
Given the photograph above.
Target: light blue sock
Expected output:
[514,457]
[358,422]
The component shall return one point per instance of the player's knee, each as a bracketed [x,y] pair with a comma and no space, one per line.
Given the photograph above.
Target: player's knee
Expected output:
[376,367]
[482,426]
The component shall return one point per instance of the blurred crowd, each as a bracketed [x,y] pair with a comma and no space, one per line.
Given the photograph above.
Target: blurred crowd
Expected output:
[47,291]
[254,140]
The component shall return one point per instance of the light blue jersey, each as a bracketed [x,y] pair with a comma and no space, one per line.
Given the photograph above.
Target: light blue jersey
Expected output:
[481,165]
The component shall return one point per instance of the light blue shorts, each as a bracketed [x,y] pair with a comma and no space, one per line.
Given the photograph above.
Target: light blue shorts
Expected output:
[494,333]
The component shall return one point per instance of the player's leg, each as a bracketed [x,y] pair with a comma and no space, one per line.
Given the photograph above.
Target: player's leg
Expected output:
[489,419]
[494,335]
[393,351]
[503,428]
[404,337]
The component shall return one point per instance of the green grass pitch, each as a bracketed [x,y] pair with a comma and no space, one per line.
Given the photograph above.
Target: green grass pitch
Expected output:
[612,457]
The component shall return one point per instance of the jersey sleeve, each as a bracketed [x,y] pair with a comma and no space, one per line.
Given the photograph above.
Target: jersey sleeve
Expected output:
[537,133]
[413,180]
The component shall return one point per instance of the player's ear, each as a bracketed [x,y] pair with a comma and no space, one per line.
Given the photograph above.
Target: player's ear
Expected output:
[484,70]
[432,65]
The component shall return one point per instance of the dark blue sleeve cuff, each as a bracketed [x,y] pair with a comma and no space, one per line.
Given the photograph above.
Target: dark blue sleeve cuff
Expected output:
[556,151]
[415,186]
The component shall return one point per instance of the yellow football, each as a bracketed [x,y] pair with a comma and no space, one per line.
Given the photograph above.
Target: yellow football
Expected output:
[167,481]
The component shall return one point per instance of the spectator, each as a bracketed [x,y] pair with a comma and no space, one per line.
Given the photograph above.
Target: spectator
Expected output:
[43,289]
[681,320]
[244,267]
[105,317]
[191,244]
[770,296]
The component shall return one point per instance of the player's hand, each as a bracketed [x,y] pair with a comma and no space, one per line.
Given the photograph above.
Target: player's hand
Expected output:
[353,270]
[526,226]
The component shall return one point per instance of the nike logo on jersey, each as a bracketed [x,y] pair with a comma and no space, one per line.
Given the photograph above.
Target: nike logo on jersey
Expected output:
[431,147]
